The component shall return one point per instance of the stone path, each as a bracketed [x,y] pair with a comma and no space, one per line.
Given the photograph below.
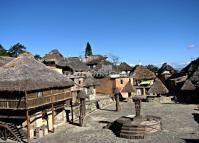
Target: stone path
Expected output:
[178,125]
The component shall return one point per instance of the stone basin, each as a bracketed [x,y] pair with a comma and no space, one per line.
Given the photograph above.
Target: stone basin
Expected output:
[136,127]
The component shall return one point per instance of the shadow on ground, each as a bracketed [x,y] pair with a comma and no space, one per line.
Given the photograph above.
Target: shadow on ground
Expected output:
[191,140]
[112,110]
[196,117]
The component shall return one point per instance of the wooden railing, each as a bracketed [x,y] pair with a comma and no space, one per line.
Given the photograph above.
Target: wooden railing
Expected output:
[34,102]
[12,104]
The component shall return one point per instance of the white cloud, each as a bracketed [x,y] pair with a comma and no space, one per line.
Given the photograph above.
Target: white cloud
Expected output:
[192,46]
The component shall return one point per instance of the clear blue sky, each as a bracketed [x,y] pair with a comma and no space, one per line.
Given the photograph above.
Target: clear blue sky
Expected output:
[146,31]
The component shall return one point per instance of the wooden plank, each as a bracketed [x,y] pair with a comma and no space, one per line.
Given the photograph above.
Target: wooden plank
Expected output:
[28,126]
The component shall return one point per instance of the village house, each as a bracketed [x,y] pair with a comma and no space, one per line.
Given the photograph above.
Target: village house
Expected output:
[121,81]
[190,89]
[175,82]
[124,68]
[107,84]
[52,58]
[157,89]
[89,85]
[143,78]
[117,78]
[184,85]
[33,98]
[79,72]
[165,72]
[94,60]
[104,67]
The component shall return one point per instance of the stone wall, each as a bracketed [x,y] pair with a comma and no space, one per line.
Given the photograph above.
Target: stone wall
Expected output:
[92,105]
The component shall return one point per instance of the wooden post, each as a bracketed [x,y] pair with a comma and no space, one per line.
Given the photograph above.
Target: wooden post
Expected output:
[27,118]
[5,134]
[28,126]
[71,103]
[117,100]
[53,118]
[144,91]
[82,111]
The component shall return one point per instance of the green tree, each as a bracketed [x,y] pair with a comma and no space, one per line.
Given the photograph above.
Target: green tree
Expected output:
[88,51]
[3,52]
[16,50]
[38,57]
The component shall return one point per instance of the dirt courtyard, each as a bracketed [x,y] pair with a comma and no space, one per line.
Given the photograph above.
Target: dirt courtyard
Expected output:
[179,124]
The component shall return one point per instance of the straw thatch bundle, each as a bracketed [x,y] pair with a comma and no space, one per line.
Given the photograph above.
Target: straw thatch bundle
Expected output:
[53,56]
[24,73]
[129,88]
[4,60]
[94,59]
[158,87]
[73,63]
[90,81]
[166,67]
[188,85]
[124,67]
[142,73]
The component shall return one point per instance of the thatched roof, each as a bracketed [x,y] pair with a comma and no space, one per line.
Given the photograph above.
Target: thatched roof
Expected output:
[53,56]
[4,60]
[24,73]
[158,87]
[142,73]
[102,64]
[195,77]
[166,67]
[191,68]
[74,63]
[129,88]
[124,67]
[90,81]
[188,85]
[94,59]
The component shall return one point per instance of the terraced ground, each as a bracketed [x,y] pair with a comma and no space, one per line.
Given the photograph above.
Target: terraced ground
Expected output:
[180,123]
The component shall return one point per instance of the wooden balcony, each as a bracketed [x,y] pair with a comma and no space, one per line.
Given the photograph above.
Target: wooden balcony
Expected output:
[34,102]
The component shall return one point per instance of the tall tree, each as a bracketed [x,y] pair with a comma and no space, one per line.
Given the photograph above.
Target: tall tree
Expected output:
[115,60]
[37,57]
[3,51]
[88,51]
[16,50]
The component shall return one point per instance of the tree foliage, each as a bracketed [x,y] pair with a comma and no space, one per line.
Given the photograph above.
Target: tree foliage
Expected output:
[88,51]
[37,57]
[16,50]
[3,51]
